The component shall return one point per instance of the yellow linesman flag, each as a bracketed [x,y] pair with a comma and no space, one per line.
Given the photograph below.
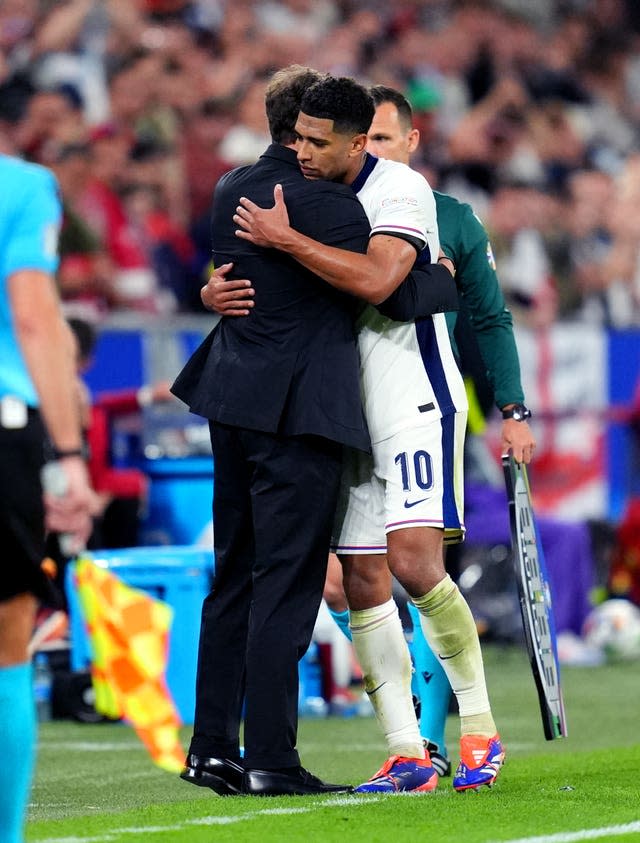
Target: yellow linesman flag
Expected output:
[129,637]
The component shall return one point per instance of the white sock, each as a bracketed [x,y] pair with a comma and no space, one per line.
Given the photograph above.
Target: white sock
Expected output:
[383,654]
[450,629]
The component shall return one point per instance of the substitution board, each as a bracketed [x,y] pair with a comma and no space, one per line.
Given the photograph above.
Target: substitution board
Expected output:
[535,598]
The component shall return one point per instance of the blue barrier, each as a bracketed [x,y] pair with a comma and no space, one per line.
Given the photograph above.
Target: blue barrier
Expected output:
[179,506]
[181,577]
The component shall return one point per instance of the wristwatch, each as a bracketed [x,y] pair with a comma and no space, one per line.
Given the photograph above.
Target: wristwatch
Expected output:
[518,412]
[63,453]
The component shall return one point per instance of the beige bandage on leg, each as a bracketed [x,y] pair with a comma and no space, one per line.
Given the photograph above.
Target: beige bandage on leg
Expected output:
[450,630]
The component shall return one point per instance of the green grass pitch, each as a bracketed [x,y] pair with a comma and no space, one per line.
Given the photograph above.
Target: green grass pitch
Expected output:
[96,783]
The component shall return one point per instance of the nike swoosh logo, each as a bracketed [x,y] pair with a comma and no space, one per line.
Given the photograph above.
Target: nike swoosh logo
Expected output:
[452,656]
[409,504]
[371,693]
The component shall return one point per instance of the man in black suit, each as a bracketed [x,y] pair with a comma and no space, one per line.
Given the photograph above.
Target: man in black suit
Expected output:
[281,391]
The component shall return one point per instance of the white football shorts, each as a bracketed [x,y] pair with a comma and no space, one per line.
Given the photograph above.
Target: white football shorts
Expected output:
[413,479]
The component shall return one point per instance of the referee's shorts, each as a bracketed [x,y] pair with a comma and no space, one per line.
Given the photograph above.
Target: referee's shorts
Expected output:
[22,532]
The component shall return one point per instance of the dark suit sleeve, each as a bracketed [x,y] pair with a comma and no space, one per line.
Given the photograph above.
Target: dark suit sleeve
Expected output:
[428,289]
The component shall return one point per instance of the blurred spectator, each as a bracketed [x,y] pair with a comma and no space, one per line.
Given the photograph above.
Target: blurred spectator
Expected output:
[591,194]
[186,61]
[518,218]
[85,274]
[99,203]
[133,283]
[623,259]
[203,131]
[160,163]
[69,48]
[52,117]
[134,85]
[247,139]
[606,124]
[493,137]
[18,24]
[306,19]
[168,247]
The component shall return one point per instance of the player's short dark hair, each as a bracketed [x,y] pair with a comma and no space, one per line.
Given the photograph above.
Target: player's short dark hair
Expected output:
[283,97]
[342,100]
[382,93]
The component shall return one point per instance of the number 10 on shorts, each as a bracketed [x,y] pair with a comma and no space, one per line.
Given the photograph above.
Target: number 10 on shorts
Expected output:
[416,471]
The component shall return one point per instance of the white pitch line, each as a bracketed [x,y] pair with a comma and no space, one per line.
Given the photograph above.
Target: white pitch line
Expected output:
[338,802]
[583,834]
[560,837]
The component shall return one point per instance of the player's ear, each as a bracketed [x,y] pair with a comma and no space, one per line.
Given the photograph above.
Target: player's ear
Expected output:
[413,139]
[358,144]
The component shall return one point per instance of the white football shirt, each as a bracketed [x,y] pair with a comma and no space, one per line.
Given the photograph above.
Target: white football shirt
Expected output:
[408,373]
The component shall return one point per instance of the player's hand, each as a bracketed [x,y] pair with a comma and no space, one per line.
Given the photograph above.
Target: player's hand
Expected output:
[228,298]
[518,438]
[263,226]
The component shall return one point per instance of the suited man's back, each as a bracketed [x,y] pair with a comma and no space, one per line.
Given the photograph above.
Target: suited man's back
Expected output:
[292,364]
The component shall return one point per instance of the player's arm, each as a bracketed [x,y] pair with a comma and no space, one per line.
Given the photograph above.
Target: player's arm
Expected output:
[372,276]
[427,290]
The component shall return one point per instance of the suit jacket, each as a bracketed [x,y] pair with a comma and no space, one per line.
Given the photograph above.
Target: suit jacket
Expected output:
[292,365]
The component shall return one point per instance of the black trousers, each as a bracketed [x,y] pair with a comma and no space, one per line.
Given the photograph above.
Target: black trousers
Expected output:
[274,503]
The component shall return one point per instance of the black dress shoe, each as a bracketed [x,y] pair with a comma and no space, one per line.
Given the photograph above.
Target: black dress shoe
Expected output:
[223,776]
[297,782]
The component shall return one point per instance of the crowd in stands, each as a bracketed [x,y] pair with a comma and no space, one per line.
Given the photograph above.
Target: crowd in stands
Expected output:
[528,110]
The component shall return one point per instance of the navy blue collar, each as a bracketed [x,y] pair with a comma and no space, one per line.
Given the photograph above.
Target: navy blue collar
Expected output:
[367,168]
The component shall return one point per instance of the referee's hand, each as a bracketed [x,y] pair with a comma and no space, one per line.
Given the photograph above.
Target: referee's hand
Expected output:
[69,512]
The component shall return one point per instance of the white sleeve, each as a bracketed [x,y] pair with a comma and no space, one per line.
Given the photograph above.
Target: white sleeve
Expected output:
[406,206]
